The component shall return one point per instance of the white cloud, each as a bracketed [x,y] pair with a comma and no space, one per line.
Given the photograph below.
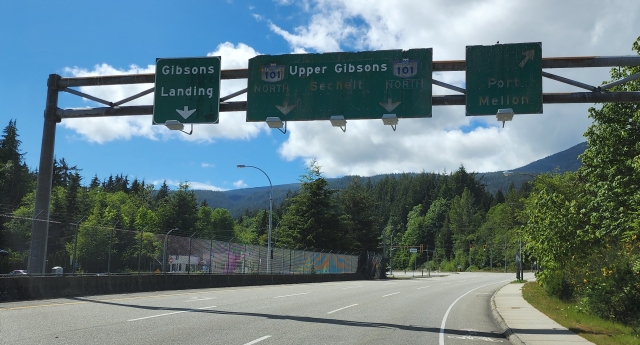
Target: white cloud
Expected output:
[208,165]
[173,184]
[240,184]
[449,138]
[204,186]
[232,125]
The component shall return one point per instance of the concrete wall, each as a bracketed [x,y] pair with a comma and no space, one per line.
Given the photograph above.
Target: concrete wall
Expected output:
[44,287]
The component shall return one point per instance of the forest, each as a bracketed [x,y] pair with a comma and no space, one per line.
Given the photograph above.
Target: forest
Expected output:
[578,230]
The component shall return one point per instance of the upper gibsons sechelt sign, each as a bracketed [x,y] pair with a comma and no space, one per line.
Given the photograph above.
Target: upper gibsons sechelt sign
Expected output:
[504,76]
[187,90]
[362,85]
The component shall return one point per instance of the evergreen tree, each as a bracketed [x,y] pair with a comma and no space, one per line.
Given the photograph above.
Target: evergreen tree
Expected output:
[15,179]
[312,220]
[360,218]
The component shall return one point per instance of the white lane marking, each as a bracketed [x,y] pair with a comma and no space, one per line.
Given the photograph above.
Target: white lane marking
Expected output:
[258,340]
[352,287]
[175,312]
[200,299]
[349,306]
[424,287]
[446,314]
[295,294]
[391,294]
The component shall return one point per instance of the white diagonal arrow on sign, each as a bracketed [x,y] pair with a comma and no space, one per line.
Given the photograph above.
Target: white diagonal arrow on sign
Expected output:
[186,112]
[389,106]
[286,108]
[528,55]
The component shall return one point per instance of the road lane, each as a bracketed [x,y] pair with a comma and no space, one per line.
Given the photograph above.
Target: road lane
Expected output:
[399,311]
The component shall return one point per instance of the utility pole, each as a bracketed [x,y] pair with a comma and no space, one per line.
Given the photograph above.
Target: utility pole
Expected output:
[491,258]
[505,254]
[384,251]
[391,256]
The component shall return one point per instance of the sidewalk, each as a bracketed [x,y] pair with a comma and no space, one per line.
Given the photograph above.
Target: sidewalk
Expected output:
[521,323]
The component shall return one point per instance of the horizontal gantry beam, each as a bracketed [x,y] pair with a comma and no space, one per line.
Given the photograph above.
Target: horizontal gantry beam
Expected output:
[547,98]
[597,96]
[438,66]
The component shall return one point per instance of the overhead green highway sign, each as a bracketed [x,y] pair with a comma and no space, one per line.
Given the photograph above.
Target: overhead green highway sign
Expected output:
[187,90]
[504,76]
[361,85]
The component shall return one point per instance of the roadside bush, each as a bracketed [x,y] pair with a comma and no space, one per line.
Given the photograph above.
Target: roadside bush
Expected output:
[615,294]
[448,266]
[556,283]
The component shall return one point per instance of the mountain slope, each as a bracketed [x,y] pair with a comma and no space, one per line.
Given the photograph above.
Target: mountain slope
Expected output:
[566,160]
[240,200]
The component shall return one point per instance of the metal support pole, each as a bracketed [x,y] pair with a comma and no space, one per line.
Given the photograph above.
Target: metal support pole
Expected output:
[75,248]
[40,229]
[391,257]
[491,259]
[520,275]
[428,265]
[269,253]
[140,251]
[505,254]
[383,268]
[228,254]
[164,251]
[210,255]
[110,245]
[189,259]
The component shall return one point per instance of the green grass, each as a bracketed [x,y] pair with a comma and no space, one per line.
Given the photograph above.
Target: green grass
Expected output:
[571,316]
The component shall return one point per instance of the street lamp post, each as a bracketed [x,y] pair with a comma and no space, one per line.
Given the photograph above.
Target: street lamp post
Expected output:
[75,247]
[164,252]
[519,270]
[270,213]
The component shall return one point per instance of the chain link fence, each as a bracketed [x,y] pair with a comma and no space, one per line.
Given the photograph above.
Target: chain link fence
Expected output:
[85,249]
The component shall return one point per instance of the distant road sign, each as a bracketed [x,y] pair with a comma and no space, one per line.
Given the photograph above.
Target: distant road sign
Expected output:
[362,85]
[413,250]
[504,76]
[187,90]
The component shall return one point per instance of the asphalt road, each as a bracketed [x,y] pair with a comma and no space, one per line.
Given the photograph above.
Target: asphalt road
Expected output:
[450,309]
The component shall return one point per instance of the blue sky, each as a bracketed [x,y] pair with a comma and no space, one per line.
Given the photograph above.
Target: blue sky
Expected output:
[77,38]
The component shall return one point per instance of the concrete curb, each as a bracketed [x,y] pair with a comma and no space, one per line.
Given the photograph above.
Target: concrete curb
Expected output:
[506,331]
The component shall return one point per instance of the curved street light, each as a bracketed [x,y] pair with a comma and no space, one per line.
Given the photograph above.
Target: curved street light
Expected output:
[520,272]
[164,252]
[240,166]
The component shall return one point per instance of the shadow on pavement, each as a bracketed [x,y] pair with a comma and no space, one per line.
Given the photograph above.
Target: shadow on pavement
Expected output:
[302,319]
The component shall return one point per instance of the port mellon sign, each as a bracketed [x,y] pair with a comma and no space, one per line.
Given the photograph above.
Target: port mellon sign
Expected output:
[504,76]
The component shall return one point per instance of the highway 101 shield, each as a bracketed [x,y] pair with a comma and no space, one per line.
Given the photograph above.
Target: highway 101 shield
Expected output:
[360,85]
